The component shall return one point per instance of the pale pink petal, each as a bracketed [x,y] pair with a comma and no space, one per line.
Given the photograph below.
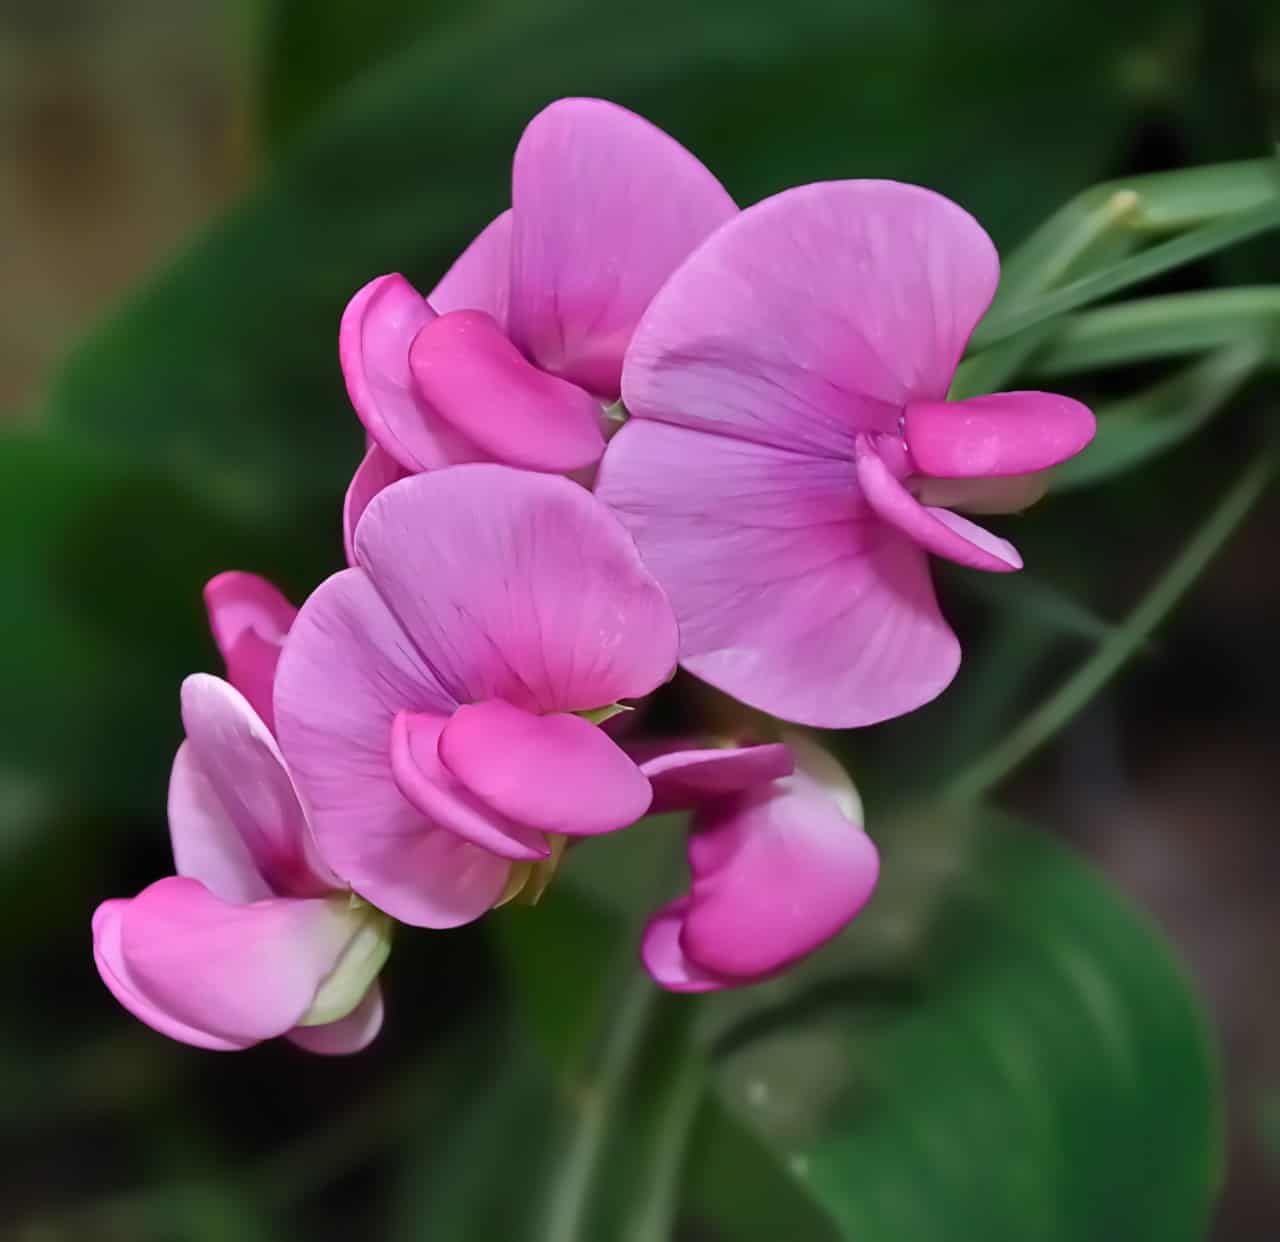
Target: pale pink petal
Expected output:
[377,331]
[246,773]
[481,384]
[347,670]
[815,315]
[683,779]
[351,1034]
[517,586]
[774,876]
[665,960]
[936,530]
[557,772]
[790,596]
[114,970]
[241,973]
[1007,433]
[480,278]
[606,207]
[443,799]
[377,469]
[249,618]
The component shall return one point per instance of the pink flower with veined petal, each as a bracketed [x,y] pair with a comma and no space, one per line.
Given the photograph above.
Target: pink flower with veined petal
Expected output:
[791,444]
[426,698]
[779,860]
[513,354]
[255,936]
[249,618]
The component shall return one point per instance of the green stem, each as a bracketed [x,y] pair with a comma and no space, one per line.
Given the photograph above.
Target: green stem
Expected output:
[1111,654]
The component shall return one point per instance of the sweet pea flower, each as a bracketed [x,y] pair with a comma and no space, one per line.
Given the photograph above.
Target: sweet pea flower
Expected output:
[254,936]
[514,354]
[431,699]
[779,860]
[791,445]
[249,618]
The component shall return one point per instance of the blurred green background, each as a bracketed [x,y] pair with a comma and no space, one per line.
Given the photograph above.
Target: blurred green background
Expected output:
[188,195]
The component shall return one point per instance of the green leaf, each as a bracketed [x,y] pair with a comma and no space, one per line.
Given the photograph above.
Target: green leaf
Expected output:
[1046,1075]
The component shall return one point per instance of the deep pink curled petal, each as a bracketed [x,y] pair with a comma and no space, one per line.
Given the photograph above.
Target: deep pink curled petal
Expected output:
[790,596]
[606,207]
[249,618]
[480,383]
[814,315]
[445,801]
[246,772]
[1006,433]
[241,973]
[114,971]
[665,960]
[774,876]
[377,469]
[377,331]
[518,586]
[351,1034]
[936,530]
[480,278]
[683,779]
[347,670]
[557,772]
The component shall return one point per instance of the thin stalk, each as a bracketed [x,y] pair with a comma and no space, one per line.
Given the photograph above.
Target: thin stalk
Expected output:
[1056,712]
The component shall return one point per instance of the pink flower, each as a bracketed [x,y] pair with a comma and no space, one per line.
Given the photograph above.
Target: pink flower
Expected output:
[779,860]
[249,618]
[791,443]
[426,698]
[254,937]
[515,351]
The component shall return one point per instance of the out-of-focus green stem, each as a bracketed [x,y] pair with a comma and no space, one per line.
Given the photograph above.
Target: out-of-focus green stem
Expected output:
[1111,654]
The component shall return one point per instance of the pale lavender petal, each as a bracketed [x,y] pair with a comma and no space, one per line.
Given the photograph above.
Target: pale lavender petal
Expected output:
[1006,433]
[936,530]
[556,772]
[377,331]
[814,315]
[478,381]
[480,279]
[517,586]
[665,960]
[249,618]
[790,595]
[606,207]
[684,779]
[351,1034]
[377,469]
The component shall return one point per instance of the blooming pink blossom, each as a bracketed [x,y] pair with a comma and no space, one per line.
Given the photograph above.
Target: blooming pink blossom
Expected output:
[792,444]
[254,936]
[516,350]
[779,860]
[428,698]
[249,618]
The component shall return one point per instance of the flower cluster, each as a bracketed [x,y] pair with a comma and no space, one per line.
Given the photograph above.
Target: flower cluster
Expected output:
[422,740]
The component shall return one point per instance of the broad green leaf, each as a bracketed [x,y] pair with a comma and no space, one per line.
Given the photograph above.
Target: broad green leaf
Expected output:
[1047,1074]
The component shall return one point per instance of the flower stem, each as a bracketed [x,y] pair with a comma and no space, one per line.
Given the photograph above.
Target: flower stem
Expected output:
[1111,654]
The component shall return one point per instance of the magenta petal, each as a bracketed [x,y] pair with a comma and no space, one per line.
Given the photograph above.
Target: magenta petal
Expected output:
[814,315]
[559,772]
[115,974]
[517,586]
[790,596]
[377,330]
[1007,433]
[936,530]
[606,207]
[242,973]
[683,779]
[443,799]
[351,1034]
[480,279]
[249,618]
[665,960]
[774,877]
[473,377]
[377,469]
